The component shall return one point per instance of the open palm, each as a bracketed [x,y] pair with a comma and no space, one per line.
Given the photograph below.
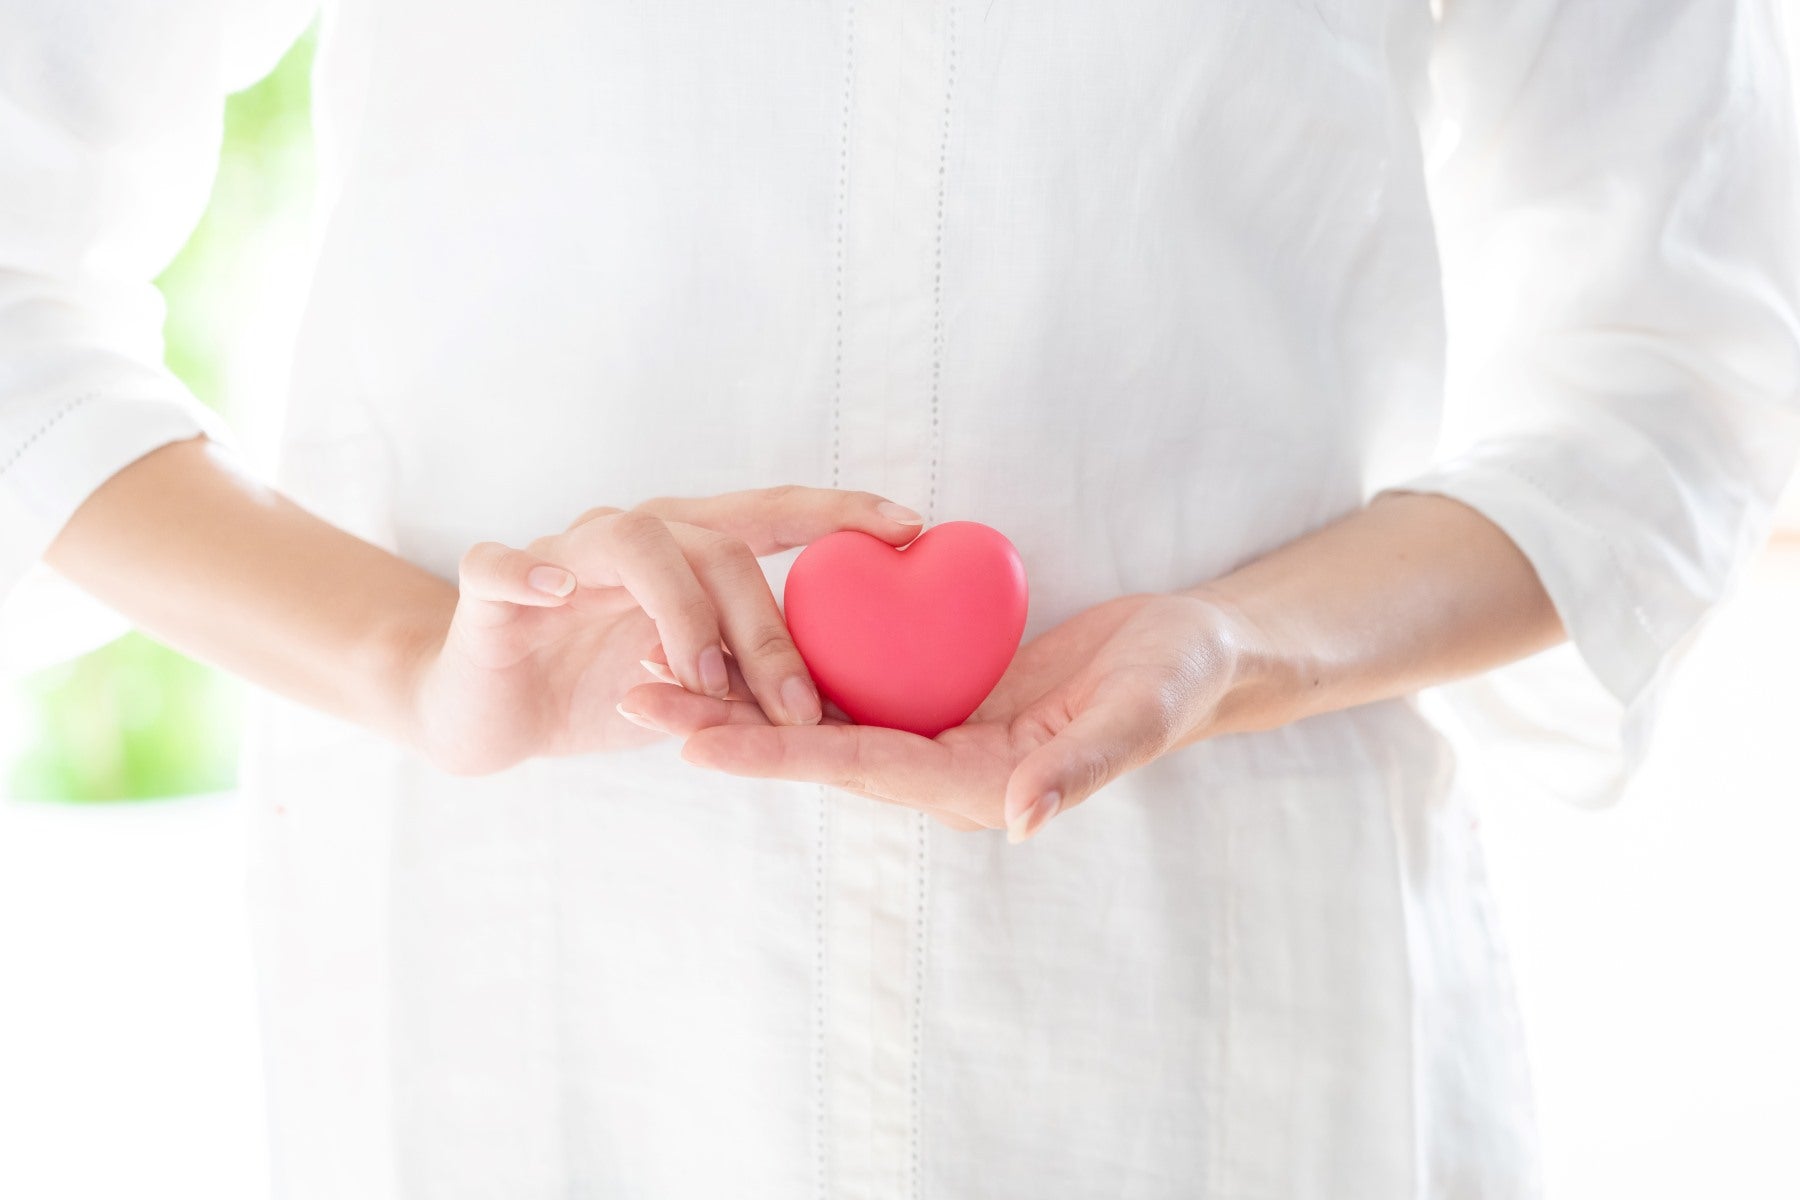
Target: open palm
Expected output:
[1098,695]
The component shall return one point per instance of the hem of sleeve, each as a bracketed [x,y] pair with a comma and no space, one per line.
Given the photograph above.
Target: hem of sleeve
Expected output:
[79,447]
[1577,718]
[1582,573]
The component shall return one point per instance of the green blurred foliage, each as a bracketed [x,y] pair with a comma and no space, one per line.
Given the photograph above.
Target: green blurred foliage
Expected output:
[134,719]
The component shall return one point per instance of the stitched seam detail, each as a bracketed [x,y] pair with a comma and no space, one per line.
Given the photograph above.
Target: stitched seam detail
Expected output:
[821,960]
[1514,471]
[937,267]
[822,1159]
[1601,535]
[921,929]
[838,240]
[1409,937]
[12,459]
[1224,977]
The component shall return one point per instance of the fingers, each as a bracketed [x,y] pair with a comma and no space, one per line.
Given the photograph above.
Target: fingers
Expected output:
[899,767]
[594,514]
[690,564]
[640,553]
[677,711]
[491,577]
[1115,733]
[770,520]
[673,710]
[657,664]
[706,593]
[752,624]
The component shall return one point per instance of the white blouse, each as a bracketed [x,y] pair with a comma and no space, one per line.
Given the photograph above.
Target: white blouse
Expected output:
[1152,287]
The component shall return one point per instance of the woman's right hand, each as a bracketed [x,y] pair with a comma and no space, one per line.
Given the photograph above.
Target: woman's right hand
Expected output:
[546,639]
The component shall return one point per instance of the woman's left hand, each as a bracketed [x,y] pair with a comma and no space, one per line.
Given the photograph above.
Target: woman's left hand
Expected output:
[1104,692]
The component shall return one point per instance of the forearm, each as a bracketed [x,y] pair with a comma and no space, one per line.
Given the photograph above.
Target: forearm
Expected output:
[198,553]
[1411,591]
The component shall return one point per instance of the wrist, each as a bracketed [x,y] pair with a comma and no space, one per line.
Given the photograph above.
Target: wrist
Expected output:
[396,656]
[1267,679]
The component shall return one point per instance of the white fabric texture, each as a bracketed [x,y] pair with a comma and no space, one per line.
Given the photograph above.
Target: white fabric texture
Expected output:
[1622,382]
[109,124]
[1152,289]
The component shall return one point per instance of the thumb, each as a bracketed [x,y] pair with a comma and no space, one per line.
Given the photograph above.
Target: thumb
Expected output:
[492,578]
[770,520]
[1119,729]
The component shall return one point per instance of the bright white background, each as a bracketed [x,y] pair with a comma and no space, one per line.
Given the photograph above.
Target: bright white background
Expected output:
[1657,944]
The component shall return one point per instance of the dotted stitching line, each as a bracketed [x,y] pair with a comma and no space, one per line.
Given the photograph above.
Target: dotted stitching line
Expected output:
[937,269]
[1225,977]
[820,1122]
[19,451]
[920,929]
[1605,539]
[918,1029]
[819,997]
[838,238]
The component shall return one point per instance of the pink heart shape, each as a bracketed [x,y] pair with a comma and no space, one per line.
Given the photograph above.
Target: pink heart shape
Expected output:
[911,639]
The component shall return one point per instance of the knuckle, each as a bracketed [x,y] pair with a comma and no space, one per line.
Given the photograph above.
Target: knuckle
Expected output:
[710,544]
[732,556]
[635,529]
[696,613]
[657,506]
[1089,768]
[854,774]
[480,555]
[594,514]
[769,641]
[1034,727]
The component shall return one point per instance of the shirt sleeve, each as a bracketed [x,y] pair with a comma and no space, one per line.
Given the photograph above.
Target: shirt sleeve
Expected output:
[1615,192]
[110,122]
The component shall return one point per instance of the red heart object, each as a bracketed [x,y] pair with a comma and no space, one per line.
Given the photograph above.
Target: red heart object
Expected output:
[911,639]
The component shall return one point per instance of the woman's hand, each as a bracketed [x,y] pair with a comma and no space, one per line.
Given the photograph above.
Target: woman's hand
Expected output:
[545,640]
[1082,704]
[1411,591]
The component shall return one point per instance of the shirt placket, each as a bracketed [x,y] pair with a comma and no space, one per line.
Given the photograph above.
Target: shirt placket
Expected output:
[898,81]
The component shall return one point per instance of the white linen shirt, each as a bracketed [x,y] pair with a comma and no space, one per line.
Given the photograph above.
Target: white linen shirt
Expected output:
[1152,287]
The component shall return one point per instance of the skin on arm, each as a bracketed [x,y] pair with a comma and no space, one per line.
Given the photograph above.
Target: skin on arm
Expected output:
[1415,589]
[526,654]
[186,544]
[1412,590]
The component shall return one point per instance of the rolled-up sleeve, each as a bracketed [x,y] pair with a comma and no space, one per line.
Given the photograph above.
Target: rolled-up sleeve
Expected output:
[110,123]
[1615,193]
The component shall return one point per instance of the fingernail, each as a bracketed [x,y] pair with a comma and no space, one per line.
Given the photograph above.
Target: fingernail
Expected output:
[662,673]
[899,513]
[800,701]
[552,581]
[713,676]
[1033,818]
[639,719]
